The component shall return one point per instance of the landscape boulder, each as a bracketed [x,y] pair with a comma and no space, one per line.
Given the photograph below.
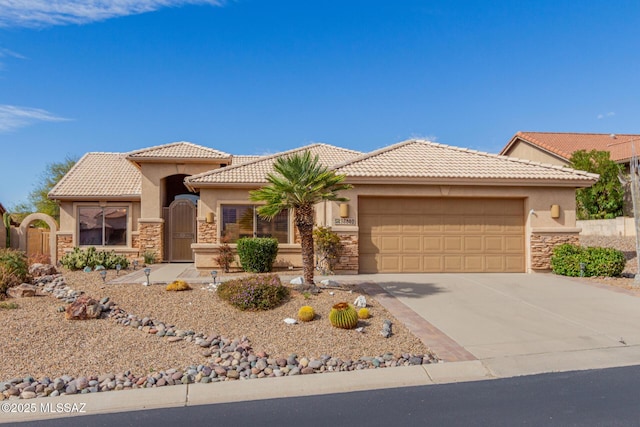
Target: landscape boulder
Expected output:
[39,270]
[83,308]
[22,291]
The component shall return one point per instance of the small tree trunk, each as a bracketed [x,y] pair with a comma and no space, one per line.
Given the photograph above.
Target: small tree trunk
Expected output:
[304,223]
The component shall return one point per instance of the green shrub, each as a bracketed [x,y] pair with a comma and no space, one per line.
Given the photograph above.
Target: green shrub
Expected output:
[79,259]
[14,268]
[257,254]
[255,292]
[566,260]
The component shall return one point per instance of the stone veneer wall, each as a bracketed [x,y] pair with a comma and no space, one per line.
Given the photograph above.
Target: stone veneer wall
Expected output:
[542,248]
[151,238]
[348,262]
[64,242]
[207,232]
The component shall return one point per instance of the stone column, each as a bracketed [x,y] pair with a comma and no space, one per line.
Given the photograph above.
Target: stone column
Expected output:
[151,236]
[542,245]
[348,261]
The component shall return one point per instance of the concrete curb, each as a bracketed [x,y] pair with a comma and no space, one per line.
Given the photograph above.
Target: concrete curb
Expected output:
[237,391]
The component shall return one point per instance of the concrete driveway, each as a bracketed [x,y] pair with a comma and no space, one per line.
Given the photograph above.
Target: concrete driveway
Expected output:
[524,323]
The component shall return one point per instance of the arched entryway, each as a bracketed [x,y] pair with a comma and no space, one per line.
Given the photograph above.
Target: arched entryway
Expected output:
[53,228]
[180,223]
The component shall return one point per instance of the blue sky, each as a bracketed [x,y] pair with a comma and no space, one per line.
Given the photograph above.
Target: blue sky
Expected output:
[259,76]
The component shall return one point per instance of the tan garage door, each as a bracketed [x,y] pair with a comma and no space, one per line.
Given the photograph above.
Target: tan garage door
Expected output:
[405,235]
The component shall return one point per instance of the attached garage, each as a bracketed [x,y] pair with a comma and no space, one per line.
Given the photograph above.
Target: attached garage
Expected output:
[441,235]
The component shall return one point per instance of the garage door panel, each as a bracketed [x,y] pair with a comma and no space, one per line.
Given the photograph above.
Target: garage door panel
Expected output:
[441,235]
[494,244]
[473,262]
[433,244]
[513,243]
[389,244]
[411,263]
[390,263]
[432,264]
[473,243]
[514,264]
[453,243]
[411,244]
[453,263]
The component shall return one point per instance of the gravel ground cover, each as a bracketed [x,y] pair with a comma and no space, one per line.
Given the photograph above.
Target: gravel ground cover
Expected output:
[37,340]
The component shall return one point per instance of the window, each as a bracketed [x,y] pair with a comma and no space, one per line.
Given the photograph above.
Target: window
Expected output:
[243,221]
[102,226]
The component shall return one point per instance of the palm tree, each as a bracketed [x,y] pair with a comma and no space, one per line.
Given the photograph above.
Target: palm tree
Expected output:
[299,183]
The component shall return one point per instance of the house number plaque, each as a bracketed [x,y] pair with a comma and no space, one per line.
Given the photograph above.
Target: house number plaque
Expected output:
[344,221]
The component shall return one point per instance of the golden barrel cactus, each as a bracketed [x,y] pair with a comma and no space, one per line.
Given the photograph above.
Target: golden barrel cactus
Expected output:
[306,313]
[363,313]
[343,315]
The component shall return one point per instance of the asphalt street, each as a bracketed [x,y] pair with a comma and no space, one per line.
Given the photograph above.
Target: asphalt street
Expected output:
[603,397]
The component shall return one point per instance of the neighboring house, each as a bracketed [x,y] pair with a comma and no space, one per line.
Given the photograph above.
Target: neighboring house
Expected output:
[557,148]
[416,206]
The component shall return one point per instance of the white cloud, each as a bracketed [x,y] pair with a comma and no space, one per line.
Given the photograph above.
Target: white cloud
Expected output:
[43,13]
[604,116]
[12,117]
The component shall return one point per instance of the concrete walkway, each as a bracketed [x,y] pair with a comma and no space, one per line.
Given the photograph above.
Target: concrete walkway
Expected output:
[482,325]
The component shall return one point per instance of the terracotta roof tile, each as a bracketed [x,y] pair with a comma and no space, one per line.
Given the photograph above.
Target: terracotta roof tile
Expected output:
[425,159]
[177,150]
[565,144]
[256,171]
[98,175]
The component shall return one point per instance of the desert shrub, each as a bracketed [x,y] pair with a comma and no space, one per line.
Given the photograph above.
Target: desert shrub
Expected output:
[225,255]
[255,292]
[39,259]
[178,285]
[566,260]
[328,247]
[5,305]
[257,254]
[90,257]
[149,257]
[306,313]
[14,268]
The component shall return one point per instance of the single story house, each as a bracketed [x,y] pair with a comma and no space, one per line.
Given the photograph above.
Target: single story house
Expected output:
[415,206]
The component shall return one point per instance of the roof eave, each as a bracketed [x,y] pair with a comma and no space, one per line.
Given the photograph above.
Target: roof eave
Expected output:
[193,186]
[93,197]
[506,182]
[207,160]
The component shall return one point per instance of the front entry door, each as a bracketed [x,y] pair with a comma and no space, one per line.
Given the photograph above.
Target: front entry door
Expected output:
[181,226]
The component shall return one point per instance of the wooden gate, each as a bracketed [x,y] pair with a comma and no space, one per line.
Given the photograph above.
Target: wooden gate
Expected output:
[38,241]
[180,230]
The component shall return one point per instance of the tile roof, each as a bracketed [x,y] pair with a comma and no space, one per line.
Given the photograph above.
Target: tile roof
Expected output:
[425,159]
[256,171]
[98,175]
[565,144]
[241,159]
[177,150]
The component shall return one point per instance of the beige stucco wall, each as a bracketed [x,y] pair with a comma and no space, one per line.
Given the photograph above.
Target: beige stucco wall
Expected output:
[526,151]
[537,207]
[152,183]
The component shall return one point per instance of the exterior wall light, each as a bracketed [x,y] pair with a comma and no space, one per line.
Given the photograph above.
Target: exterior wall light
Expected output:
[210,217]
[344,210]
[555,211]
